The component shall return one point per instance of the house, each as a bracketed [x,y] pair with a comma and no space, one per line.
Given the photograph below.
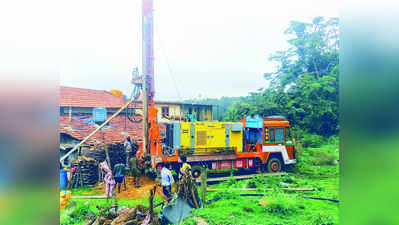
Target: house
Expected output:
[83,110]
[177,111]
[77,107]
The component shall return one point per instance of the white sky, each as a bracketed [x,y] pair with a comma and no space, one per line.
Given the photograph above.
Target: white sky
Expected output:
[214,48]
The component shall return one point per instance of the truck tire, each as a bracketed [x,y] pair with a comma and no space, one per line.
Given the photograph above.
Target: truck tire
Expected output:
[196,171]
[274,165]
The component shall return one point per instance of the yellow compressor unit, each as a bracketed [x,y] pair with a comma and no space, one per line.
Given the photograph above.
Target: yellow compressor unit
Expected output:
[211,137]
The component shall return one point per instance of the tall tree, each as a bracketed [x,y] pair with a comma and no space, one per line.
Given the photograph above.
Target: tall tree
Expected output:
[305,84]
[304,87]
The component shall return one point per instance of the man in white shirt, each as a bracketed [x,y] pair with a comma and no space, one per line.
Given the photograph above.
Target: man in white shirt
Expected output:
[128,148]
[167,179]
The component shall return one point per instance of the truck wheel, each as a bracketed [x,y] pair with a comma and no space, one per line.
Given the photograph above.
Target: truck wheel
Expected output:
[274,165]
[197,171]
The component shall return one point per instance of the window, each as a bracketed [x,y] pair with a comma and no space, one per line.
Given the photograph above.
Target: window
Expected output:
[279,134]
[272,136]
[165,112]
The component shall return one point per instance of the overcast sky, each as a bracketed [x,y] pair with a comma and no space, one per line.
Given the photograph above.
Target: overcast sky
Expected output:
[213,48]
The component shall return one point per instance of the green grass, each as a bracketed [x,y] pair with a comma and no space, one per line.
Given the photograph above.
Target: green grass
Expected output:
[87,191]
[316,168]
[77,214]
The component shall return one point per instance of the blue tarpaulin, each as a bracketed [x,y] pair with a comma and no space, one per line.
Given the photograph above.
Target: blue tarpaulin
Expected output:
[253,122]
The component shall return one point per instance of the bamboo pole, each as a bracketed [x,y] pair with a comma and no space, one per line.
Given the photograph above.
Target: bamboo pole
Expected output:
[266,189]
[89,197]
[242,177]
[98,128]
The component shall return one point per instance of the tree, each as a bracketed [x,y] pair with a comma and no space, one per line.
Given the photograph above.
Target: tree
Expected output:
[305,85]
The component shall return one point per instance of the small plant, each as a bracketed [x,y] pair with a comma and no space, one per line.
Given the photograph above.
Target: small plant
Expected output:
[190,221]
[251,184]
[324,218]
[231,180]
[281,205]
[274,181]
[322,158]
[312,140]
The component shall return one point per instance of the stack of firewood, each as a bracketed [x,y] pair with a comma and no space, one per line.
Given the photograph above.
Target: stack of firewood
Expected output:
[116,152]
[86,172]
[98,155]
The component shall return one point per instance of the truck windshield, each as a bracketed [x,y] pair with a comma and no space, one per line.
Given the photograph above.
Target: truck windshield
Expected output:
[279,134]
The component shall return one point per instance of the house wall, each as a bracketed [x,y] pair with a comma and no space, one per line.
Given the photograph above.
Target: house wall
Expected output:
[201,112]
[64,110]
[174,110]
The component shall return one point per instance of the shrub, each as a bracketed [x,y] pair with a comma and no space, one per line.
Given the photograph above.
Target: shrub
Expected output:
[312,140]
[324,218]
[76,215]
[251,184]
[190,221]
[282,205]
[322,158]
[231,180]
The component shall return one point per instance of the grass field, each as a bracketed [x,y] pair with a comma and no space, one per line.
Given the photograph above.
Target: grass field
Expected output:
[316,168]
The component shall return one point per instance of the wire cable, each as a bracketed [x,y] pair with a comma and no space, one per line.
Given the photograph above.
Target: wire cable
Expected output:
[169,67]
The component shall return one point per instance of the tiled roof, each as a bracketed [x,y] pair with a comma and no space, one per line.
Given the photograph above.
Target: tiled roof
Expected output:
[81,97]
[81,126]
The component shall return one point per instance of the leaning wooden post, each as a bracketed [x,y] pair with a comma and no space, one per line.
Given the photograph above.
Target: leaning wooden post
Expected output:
[151,199]
[203,186]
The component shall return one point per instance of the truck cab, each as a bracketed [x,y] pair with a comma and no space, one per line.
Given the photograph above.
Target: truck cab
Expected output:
[269,138]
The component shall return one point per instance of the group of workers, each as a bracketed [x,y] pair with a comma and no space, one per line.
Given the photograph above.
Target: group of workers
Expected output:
[136,167]
[167,177]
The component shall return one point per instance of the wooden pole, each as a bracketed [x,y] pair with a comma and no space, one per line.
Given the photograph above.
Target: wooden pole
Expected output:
[266,189]
[151,202]
[89,197]
[98,128]
[203,186]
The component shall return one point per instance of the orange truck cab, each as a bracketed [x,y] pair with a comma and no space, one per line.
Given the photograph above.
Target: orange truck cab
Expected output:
[268,139]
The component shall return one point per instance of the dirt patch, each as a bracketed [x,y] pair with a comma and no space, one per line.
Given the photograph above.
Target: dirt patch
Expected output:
[263,202]
[200,221]
[131,192]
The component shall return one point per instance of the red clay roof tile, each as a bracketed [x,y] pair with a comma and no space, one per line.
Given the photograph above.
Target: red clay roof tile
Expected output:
[82,97]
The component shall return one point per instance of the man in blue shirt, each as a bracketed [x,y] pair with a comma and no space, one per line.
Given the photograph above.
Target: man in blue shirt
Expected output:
[167,179]
[119,173]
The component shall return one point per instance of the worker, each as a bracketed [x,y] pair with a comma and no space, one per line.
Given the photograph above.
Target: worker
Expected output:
[128,148]
[119,173]
[108,179]
[166,179]
[135,170]
[185,168]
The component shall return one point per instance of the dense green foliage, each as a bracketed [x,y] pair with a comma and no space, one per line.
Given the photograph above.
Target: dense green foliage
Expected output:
[304,88]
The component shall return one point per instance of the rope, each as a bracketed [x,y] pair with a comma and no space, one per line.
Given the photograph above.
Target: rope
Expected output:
[169,68]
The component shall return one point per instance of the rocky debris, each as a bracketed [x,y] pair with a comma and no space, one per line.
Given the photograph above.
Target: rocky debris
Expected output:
[126,216]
